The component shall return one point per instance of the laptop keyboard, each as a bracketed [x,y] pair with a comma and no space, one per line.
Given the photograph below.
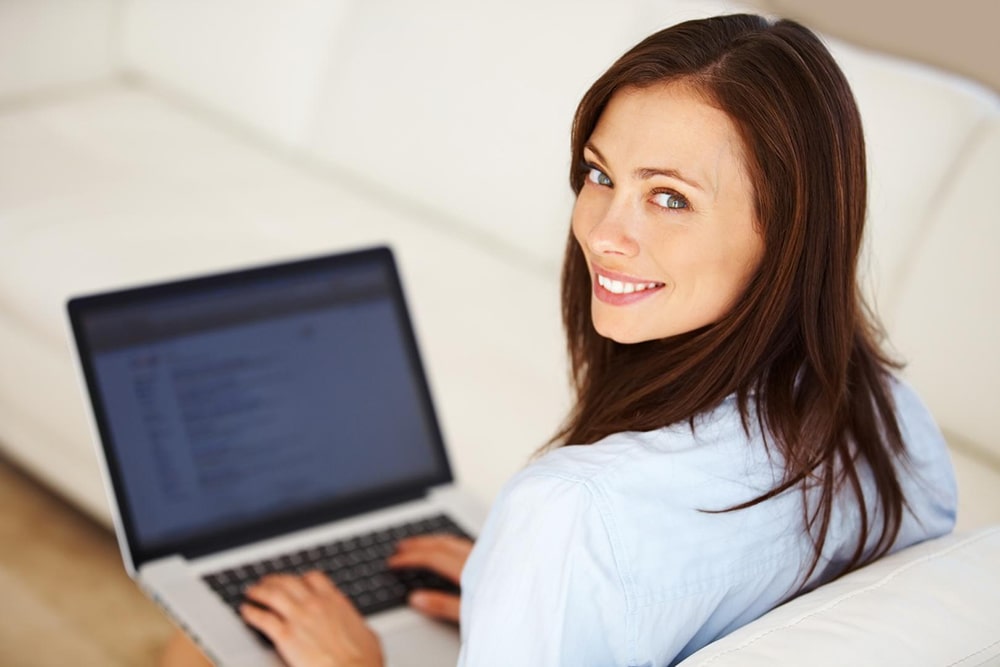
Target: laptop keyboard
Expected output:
[356,565]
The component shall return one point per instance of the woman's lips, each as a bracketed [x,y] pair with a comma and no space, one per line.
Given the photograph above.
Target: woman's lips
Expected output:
[619,289]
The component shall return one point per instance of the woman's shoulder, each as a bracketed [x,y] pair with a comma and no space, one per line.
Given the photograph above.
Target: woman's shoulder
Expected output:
[919,429]
[717,445]
[925,473]
[714,445]
[656,499]
[659,494]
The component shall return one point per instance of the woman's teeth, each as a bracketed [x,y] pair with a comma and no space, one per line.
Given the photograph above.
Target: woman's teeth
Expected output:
[619,287]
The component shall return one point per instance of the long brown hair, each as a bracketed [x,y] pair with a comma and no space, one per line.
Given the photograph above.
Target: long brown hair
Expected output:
[800,350]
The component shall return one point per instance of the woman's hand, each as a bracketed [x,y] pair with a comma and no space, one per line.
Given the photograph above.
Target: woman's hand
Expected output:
[311,623]
[443,554]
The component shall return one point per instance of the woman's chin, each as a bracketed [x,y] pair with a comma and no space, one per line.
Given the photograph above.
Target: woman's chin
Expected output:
[619,332]
[629,332]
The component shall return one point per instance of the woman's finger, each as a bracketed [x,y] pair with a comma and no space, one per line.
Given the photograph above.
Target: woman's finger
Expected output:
[320,584]
[444,563]
[268,623]
[290,583]
[434,603]
[317,581]
[445,542]
[444,554]
[280,593]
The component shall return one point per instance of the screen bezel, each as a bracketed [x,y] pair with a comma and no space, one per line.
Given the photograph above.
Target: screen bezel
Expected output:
[254,531]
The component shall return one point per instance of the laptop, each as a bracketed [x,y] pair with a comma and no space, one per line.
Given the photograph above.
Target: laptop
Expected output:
[274,419]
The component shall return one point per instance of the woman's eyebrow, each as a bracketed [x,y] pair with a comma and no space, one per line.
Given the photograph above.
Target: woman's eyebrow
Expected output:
[593,149]
[643,173]
[648,172]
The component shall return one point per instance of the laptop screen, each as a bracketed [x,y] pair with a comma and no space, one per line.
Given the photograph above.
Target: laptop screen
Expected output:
[243,405]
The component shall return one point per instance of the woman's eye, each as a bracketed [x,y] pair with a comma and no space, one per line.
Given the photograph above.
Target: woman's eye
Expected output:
[670,200]
[598,177]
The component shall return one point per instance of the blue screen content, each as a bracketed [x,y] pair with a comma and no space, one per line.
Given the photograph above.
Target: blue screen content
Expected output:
[229,407]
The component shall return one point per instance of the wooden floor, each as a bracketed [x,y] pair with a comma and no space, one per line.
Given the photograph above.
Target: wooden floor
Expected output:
[64,597]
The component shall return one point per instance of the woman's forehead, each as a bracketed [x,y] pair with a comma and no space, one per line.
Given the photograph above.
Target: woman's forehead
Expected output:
[672,122]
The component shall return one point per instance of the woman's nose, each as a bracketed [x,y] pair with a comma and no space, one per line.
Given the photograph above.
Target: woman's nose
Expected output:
[613,233]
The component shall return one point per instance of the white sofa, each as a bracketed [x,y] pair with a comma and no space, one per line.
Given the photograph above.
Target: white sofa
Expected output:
[144,139]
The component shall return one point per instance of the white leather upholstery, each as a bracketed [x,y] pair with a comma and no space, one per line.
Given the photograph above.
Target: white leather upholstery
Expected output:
[978,487]
[878,615]
[946,318]
[46,45]
[916,138]
[258,62]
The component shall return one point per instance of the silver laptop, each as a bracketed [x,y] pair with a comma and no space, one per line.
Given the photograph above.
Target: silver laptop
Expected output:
[275,419]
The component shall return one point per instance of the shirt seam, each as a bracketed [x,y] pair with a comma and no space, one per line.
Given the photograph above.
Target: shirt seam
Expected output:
[625,579]
[619,458]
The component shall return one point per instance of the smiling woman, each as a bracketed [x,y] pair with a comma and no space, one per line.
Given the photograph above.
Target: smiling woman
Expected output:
[738,436]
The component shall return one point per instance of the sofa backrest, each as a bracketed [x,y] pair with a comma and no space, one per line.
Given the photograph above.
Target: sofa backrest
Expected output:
[71,44]
[945,317]
[260,63]
[933,229]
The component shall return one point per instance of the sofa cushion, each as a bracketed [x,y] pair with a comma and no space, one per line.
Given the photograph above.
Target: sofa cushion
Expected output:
[926,605]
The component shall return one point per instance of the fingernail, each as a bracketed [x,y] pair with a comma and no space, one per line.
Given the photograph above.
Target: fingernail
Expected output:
[418,599]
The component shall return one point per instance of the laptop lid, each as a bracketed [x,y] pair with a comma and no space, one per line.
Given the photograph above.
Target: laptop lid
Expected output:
[243,405]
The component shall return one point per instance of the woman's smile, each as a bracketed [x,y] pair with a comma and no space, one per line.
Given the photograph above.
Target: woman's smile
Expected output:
[618,289]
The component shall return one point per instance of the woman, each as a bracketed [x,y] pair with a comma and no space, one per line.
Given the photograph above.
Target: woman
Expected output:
[738,436]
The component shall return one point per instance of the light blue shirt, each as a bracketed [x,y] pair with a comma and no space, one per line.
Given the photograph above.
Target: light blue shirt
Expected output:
[598,555]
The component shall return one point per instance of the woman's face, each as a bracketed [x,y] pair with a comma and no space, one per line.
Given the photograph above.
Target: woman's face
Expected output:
[665,217]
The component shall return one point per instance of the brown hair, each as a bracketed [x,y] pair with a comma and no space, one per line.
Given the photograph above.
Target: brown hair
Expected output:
[800,350]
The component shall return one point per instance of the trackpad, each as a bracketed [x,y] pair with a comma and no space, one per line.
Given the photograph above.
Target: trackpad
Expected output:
[421,644]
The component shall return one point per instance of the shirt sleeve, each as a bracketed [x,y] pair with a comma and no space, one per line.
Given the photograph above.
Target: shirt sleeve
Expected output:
[543,586]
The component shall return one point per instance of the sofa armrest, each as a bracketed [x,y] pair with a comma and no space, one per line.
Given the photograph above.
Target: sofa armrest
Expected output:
[932,604]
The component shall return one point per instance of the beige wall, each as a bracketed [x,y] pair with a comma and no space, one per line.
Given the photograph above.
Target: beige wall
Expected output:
[957,35]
